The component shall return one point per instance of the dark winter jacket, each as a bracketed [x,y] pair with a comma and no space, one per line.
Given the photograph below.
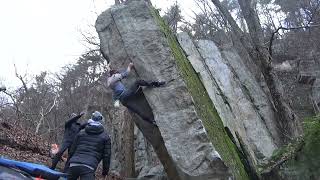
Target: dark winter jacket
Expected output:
[71,129]
[90,147]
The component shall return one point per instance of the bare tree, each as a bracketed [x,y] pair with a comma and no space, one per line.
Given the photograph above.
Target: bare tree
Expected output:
[43,113]
[173,16]
[288,120]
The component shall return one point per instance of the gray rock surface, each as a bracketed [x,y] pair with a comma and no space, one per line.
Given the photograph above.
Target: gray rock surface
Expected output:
[240,101]
[146,161]
[128,32]
[255,92]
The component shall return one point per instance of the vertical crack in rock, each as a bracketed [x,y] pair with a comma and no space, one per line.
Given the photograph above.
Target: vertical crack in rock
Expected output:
[249,112]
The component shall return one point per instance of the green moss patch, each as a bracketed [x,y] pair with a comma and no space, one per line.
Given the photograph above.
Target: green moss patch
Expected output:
[203,104]
[299,159]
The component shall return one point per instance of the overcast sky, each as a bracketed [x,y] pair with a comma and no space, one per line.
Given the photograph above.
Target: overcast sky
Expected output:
[39,35]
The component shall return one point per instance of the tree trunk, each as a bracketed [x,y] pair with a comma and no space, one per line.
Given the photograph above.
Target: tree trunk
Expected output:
[40,121]
[238,32]
[234,26]
[288,122]
[242,42]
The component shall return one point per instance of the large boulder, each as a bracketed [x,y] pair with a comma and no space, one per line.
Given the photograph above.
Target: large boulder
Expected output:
[243,106]
[128,32]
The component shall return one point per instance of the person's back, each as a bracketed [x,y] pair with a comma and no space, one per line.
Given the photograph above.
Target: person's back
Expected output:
[90,147]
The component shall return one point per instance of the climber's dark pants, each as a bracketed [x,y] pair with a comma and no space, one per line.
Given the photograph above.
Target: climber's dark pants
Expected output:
[67,164]
[134,89]
[127,96]
[84,173]
[59,154]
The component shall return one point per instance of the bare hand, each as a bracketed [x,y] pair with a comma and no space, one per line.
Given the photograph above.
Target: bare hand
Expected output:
[131,65]
[82,113]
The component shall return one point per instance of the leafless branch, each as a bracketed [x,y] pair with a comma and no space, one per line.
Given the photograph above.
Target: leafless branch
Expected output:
[311,15]
[43,114]
[53,105]
[13,100]
[20,78]
[287,29]
[90,39]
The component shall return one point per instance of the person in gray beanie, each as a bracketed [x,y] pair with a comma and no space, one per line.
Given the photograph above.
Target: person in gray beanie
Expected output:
[91,145]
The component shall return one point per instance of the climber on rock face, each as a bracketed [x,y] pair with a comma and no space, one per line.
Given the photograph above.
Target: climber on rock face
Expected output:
[90,146]
[71,129]
[123,94]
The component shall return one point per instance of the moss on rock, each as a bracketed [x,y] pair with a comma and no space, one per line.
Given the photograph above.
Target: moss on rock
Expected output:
[203,104]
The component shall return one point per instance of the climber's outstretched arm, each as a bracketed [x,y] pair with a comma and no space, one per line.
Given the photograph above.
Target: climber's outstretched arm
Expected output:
[129,67]
[118,76]
[125,73]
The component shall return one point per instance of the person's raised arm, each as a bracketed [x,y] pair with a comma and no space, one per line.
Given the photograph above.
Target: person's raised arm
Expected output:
[73,147]
[120,75]
[73,120]
[127,71]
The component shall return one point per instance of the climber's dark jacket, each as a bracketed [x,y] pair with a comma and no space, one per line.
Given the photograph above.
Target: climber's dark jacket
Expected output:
[90,147]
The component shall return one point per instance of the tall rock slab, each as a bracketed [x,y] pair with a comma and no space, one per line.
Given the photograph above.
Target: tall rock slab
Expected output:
[129,32]
[240,101]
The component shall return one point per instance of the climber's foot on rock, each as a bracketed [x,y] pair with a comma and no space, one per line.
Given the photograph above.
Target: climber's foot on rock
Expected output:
[158,83]
[154,123]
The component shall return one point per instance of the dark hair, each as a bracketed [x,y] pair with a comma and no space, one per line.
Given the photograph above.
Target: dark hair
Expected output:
[112,72]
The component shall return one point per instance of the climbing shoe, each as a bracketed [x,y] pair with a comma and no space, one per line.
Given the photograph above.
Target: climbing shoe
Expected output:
[158,83]
[116,103]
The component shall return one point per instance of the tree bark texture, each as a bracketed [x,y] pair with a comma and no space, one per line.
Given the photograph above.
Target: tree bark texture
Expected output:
[241,41]
[128,144]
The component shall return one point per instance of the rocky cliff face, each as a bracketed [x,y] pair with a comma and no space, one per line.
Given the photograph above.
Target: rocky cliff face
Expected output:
[239,99]
[213,106]
[128,32]
[210,94]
